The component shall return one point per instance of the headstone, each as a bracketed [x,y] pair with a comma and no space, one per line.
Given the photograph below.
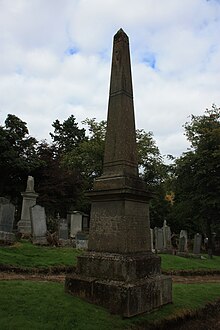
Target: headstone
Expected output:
[158,239]
[39,226]
[29,200]
[197,243]
[75,219]
[7,211]
[79,221]
[152,240]
[119,271]
[183,243]
[63,229]
[166,236]
[82,240]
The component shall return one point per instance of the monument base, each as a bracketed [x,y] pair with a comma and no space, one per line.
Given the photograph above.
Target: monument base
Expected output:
[24,227]
[7,238]
[124,298]
[39,240]
[126,284]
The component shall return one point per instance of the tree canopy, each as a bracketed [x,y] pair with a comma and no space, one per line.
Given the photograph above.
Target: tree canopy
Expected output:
[197,175]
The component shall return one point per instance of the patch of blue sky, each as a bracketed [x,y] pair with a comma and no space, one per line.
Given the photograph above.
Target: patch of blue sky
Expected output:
[71,51]
[19,70]
[104,54]
[150,60]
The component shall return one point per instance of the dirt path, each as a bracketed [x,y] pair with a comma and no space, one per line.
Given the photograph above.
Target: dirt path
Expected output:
[38,277]
[196,279]
[61,278]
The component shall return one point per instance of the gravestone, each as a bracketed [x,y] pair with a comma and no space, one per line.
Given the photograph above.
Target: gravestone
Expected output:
[183,243]
[79,221]
[63,229]
[82,240]
[7,211]
[75,219]
[166,236]
[29,200]
[158,239]
[39,226]
[197,243]
[119,271]
[152,240]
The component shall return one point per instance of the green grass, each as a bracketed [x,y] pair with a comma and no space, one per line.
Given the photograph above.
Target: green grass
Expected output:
[25,254]
[171,262]
[44,305]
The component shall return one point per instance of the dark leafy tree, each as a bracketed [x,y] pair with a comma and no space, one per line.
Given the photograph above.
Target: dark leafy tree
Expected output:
[197,194]
[67,135]
[18,156]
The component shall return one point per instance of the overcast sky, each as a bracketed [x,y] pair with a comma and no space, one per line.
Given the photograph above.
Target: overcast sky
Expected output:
[55,59]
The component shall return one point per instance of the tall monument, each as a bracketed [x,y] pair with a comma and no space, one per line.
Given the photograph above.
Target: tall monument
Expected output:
[119,271]
[29,200]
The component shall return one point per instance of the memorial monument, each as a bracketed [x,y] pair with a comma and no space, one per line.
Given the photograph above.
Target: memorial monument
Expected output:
[119,271]
[29,200]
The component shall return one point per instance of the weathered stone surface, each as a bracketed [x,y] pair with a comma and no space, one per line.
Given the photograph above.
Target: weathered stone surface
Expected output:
[119,271]
[39,226]
[119,267]
[29,200]
[120,157]
[7,211]
[7,238]
[63,229]
[125,298]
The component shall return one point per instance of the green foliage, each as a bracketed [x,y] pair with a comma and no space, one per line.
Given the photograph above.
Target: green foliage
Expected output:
[67,135]
[58,187]
[197,181]
[88,156]
[18,157]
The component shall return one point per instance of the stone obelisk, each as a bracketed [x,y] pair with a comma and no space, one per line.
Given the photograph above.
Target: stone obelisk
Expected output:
[119,271]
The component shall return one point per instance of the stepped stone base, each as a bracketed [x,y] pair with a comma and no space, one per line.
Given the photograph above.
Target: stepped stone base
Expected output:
[125,284]
[125,298]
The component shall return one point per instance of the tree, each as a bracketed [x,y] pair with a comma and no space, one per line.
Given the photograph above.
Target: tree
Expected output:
[18,156]
[88,155]
[197,195]
[58,187]
[155,174]
[67,135]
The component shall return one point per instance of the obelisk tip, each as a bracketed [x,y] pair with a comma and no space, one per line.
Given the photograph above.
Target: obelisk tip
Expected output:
[120,35]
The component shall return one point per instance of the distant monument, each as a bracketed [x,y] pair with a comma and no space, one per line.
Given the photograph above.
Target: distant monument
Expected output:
[38,225]
[119,271]
[29,200]
[7,211]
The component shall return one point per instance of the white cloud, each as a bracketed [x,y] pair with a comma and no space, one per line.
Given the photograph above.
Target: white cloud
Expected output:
[41,80]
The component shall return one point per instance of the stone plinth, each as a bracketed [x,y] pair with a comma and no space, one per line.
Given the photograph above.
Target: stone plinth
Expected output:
[125,298]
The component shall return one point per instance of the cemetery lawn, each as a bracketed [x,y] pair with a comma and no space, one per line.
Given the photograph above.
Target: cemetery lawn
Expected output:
[25,254]
[45,305]
[172,262]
